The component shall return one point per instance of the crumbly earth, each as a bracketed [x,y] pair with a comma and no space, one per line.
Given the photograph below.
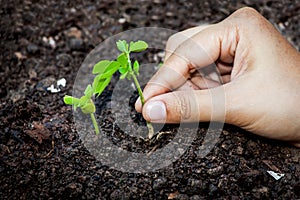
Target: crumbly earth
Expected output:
[41,153]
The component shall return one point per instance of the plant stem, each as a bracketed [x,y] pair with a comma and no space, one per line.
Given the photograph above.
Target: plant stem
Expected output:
[137,84]
[95,123]
[149,125]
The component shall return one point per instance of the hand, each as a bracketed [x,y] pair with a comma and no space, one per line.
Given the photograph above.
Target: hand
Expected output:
[259,75]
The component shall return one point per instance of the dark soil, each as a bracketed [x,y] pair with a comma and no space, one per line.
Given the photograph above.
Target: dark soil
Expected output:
[41,153]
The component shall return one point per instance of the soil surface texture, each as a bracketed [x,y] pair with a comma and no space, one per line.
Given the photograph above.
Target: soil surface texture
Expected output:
[42,154]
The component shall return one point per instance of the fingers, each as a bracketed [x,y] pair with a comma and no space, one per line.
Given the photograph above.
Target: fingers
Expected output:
[296,144]
[199,51]
[227,103]
[165,80]
[258,66]
[224,68]
[177,39]
[186,106]
[204,83]
[188,85]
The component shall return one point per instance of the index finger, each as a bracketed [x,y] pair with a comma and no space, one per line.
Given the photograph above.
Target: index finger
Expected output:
[177,39]
[198,51]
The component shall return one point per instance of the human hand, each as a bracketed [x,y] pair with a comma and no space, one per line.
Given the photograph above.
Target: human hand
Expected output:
[259,75]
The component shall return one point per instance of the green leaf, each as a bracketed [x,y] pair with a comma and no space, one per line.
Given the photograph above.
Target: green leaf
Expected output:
[138,46]
[100,67]
[160,64]
[124,75]
[103,83]
[111,69]
[123,70]
[102,80]
[96,82]
[69,100]
[83,100]
[122,45]
[89,91]
[122,59]
[130,44]
[136,67]
[88,108]
[106,68]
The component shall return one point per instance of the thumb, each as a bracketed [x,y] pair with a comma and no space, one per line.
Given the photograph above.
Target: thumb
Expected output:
[186,106]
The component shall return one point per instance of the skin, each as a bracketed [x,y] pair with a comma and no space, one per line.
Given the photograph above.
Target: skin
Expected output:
[259,78]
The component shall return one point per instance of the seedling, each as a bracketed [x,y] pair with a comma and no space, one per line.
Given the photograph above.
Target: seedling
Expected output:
[104,71]
[129,71]
[85,103]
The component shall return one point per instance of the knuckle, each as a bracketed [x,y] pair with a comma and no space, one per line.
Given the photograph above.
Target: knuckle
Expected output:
[248,17]
[248,14]
[172,42]
[184,108]
[247,11]
[172,38]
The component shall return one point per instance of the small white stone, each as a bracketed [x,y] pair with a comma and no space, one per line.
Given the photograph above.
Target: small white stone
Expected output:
[275,175]
[52,42]
[161,54]
[155,58]
[133,86]
[61,82]
[286,23]
[52,89]
[122,20]
[45,39]
[73,10]
[281,26]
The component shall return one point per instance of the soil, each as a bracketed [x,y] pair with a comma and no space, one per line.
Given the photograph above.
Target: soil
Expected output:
[41,153]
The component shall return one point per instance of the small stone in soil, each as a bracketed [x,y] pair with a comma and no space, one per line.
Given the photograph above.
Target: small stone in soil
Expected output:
[75,44]
[159,183]
[212,189]
[32,48]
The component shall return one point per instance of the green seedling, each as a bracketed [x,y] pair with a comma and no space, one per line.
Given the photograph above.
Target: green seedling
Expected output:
[131,71]
[85,103]
[104,70]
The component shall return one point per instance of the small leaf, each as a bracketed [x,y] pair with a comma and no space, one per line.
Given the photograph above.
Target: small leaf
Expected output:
[124,75]
[160,64]
[123,70]
[83,101]
[88,108]
[96,82]
[89,91]
[105,75]
[100,67]
[69,100]
[131,43]
[112,68]
[102,85]
[136,67]
[122,59]
[138,46]
[122,45]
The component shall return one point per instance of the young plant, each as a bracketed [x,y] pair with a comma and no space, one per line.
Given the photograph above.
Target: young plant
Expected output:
[85,103]
[129,70]
[104,71]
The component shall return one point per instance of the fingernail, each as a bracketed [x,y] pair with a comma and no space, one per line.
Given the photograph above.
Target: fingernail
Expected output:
[156,111]
[138,100]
